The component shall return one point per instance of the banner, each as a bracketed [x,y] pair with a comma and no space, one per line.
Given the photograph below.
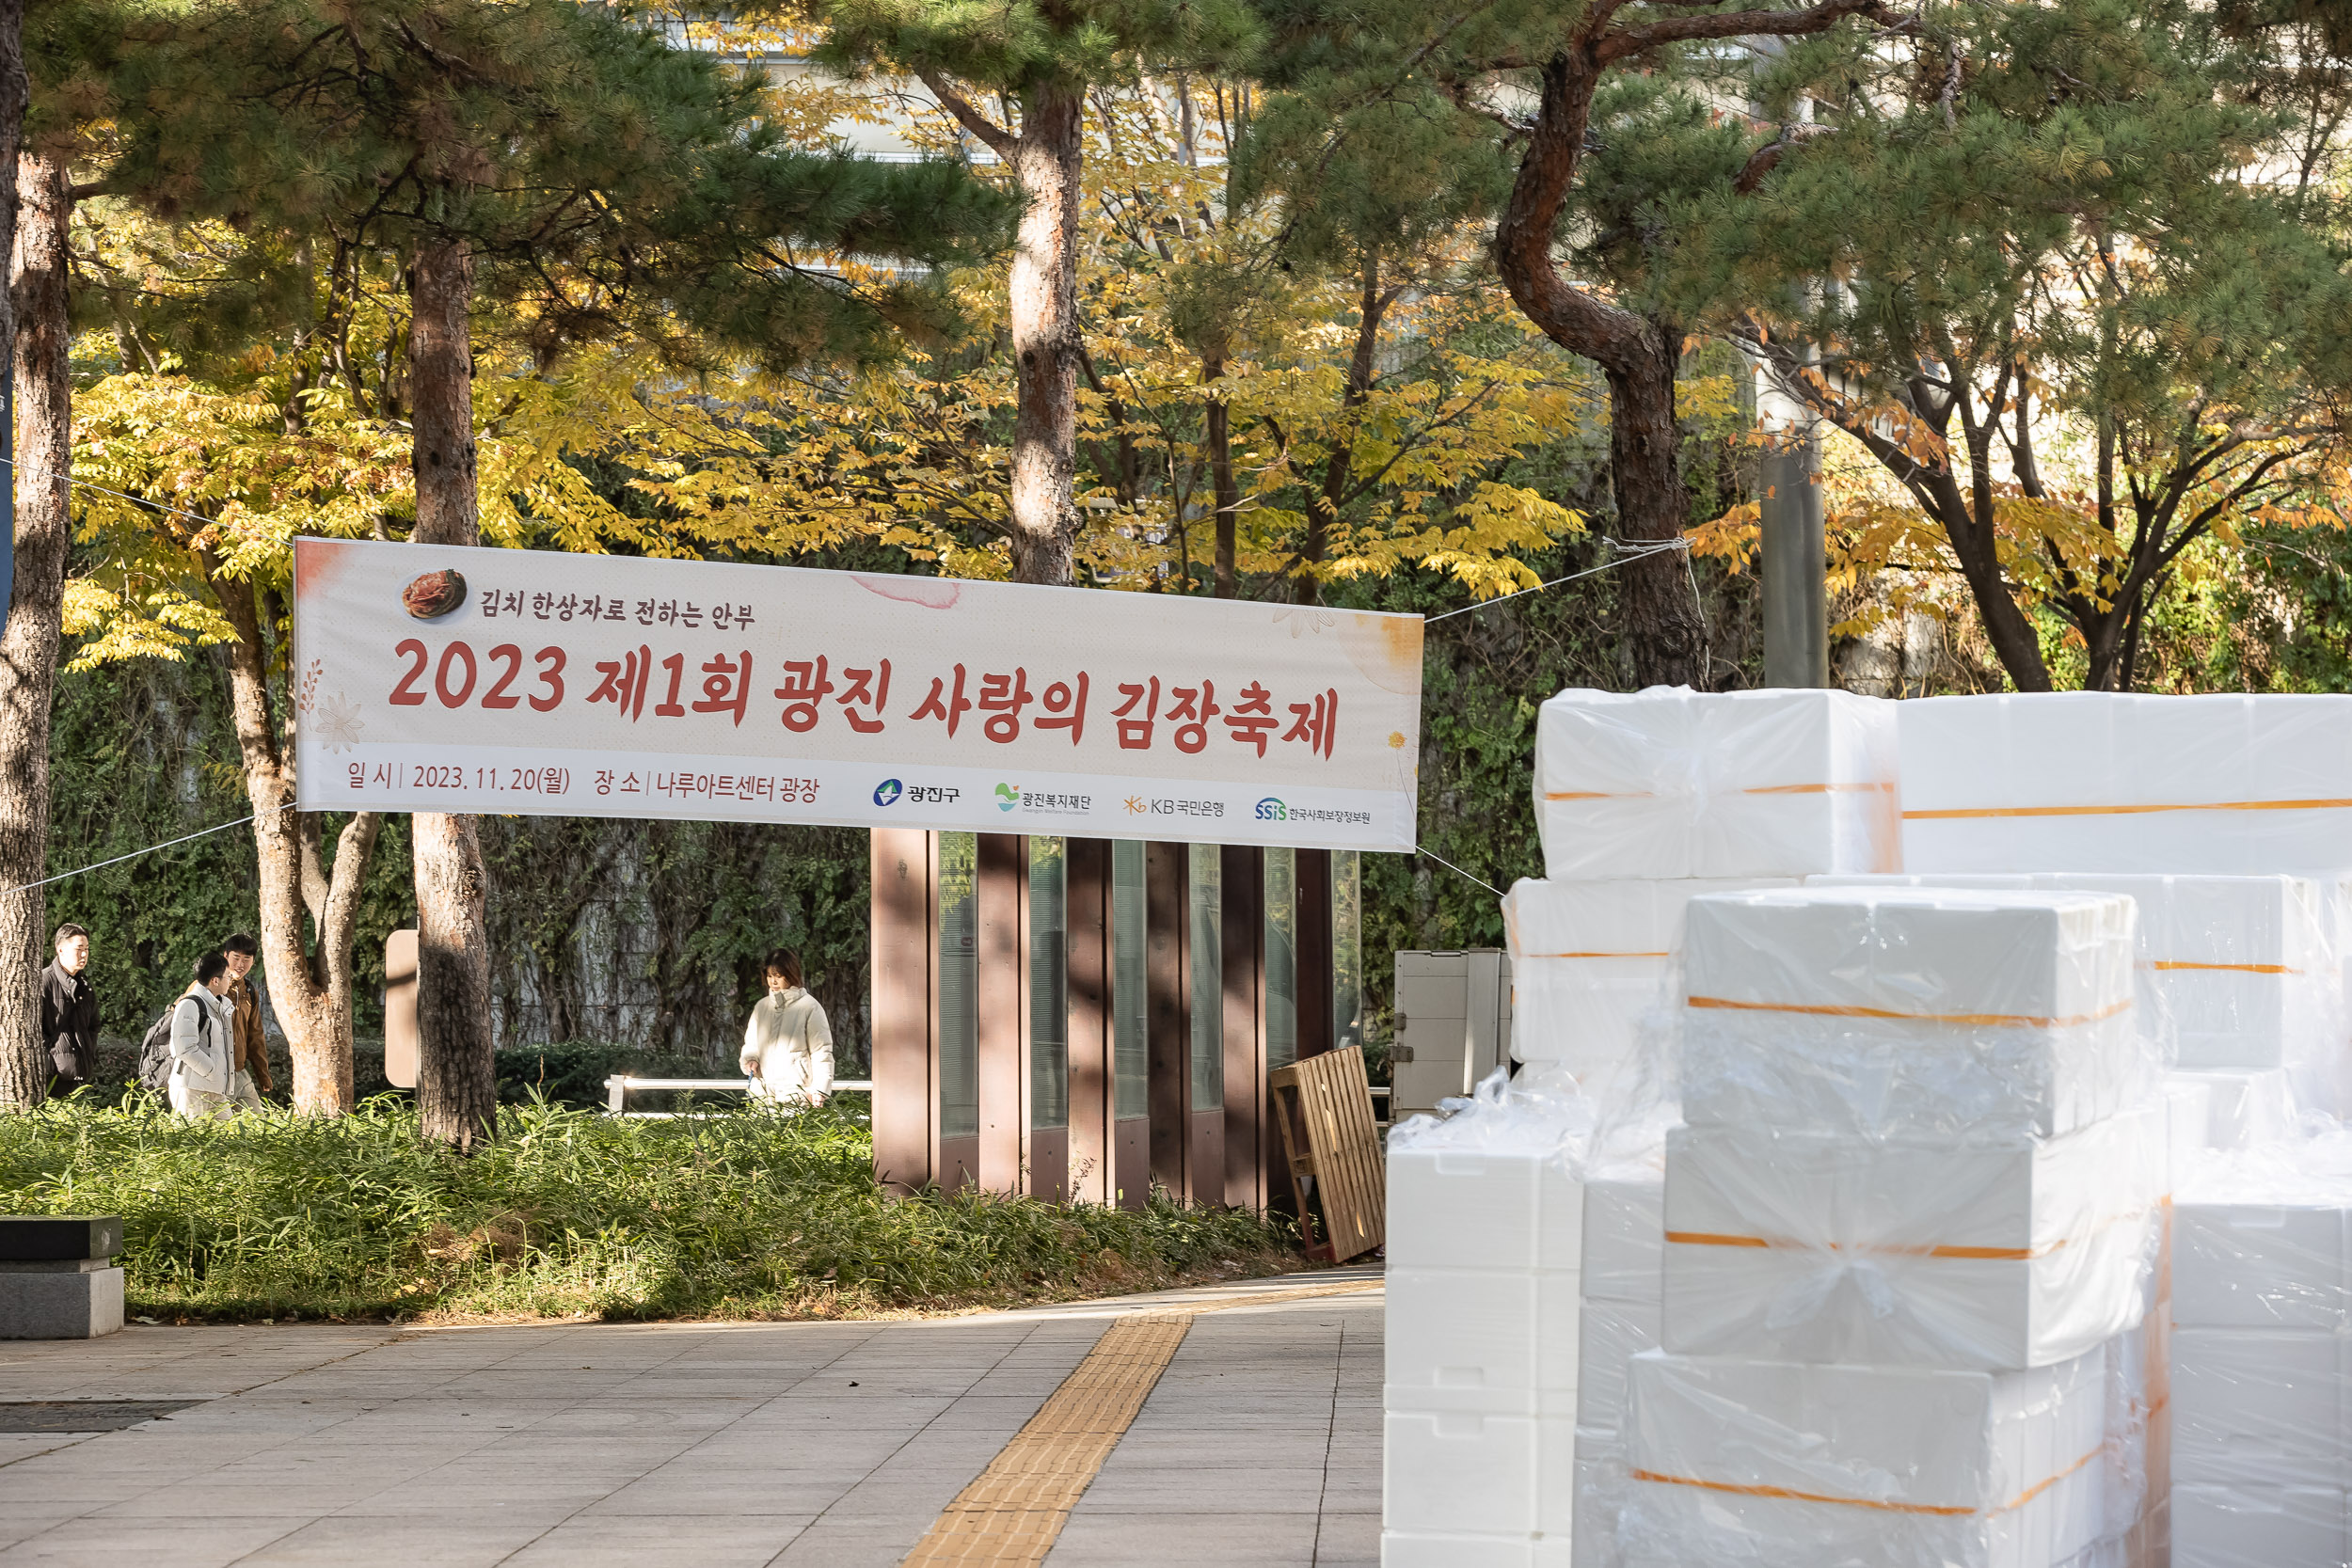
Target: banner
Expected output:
[434,679]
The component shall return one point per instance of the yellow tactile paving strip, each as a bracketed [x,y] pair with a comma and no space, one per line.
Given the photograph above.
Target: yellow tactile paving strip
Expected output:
[1015,1512]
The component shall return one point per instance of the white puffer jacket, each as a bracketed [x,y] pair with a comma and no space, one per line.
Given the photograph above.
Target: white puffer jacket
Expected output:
[203,1061]
[788,1048]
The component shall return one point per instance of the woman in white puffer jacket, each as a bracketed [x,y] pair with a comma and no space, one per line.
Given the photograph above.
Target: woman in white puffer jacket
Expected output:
[204,1052]
[787,1045]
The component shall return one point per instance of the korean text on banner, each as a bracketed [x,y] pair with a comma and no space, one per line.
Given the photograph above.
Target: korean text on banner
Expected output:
[434,679]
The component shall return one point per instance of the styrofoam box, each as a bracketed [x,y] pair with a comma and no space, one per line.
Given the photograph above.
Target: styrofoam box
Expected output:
[1487,1341]
[2261,1265]
[2084,781]
[2259,1527]
[1987,1255]
[1673,783]
[2260,1406]
[1624,1235]
[1450,1472]
[2235,973]
[1797,1466]
[1603,1473]
[1886,1010]
[2243,1109]
[1463,1549]
[1614,1333]
[1483,1208]
[1590,961]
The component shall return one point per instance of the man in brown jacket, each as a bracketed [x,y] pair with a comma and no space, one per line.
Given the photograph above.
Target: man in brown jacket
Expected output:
[252,1051]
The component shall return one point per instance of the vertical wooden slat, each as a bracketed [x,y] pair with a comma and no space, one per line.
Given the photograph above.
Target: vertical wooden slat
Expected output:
[1089,1143]
[1243,889]
[1314,953]
[1324,1107]
[1170,1064]
[901,1008]
[1001,890]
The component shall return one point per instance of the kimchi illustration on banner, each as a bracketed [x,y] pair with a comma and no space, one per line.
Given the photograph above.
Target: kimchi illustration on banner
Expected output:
[438,678]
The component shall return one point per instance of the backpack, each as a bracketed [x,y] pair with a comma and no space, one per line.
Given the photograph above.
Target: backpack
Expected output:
[155,1050]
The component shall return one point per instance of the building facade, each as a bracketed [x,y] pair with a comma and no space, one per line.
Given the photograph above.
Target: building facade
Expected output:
[1080,1019]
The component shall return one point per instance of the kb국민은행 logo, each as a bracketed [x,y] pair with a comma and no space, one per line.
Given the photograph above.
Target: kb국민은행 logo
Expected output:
[1272,810]
[1007,797]
[887,792]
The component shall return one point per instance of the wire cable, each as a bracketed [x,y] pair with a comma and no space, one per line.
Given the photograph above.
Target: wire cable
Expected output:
[201,833]
[1623,551]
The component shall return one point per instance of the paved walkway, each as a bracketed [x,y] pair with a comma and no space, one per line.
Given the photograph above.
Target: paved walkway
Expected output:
[716,1446]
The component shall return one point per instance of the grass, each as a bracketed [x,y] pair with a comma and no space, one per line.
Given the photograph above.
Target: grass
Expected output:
[571,1213]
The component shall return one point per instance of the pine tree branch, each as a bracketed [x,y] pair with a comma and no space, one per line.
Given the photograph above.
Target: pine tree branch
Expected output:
[1726,24]
[992,135]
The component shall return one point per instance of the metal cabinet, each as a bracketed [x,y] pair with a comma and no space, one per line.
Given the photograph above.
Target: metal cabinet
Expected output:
[1453,1024]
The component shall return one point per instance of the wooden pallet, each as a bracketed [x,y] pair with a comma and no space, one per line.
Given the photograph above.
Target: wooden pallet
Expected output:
[1338,1177]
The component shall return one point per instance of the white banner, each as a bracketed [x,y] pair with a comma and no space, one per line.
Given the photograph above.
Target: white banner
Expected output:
[431,678]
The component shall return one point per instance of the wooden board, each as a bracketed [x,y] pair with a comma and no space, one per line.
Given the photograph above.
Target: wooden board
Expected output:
[1324,1107]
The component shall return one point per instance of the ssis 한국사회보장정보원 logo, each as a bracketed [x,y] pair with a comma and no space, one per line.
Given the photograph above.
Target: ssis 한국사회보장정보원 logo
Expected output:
[1272,810]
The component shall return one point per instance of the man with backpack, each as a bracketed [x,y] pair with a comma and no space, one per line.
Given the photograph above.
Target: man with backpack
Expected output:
[191,1052]
[244,1007]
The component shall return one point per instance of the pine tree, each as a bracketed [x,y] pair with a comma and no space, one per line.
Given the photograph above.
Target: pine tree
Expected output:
[2085,303]
[530,150]
[1040,60]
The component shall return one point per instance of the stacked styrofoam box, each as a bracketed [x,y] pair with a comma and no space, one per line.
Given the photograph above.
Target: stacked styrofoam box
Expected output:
[1625,1241]
[2239,983]
[1645,800]
[2110,783]
[1914,1201]
[1485,1244]
[2262,1369]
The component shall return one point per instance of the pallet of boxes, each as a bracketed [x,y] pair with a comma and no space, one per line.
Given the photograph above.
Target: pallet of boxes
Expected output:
[1864,1048]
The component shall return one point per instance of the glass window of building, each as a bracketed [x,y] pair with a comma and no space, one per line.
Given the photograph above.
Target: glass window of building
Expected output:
[1204,900]
[959,984]
[1049,983]
[1281,957]
[1347,949]
[1131,1049]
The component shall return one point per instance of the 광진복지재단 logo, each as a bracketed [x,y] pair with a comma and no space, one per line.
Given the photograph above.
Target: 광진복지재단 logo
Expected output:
[887,792]
[1272,810]
[1007,797]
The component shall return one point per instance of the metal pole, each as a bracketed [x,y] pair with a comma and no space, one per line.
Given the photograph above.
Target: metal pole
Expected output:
[1796,597]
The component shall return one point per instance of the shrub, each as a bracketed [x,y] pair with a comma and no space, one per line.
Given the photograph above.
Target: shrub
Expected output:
[575,1213]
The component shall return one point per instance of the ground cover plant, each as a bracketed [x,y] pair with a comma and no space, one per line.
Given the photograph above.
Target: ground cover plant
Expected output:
[572,1214]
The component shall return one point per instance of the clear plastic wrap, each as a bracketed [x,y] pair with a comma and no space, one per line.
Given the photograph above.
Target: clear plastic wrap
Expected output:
[1614,1333]
[2259,1527]
[1589,961]
[1985,1255]
[1674,782]
[2244,1110]
[1895,1011]
[1624,1234]
[1788,1464]
[2082,780]
[2235,974]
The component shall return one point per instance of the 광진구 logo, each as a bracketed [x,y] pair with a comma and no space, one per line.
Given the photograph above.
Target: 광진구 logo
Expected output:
[1007,797]
[887,792]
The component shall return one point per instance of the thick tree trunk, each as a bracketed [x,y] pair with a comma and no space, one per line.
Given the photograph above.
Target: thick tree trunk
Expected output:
[2014,641]
[1046,161]
[309,989]
[37,211]
[456,1078]
[1663,622]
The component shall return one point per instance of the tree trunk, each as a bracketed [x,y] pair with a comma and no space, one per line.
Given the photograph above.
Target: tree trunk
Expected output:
[309,989]
[1638,357]
[1323,509]
[1043,303]
[456,1078]
[1663,622]
[37,211]
[1219,436]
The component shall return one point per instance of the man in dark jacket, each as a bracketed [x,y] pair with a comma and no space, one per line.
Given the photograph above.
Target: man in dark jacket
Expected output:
[252,1056]
[69,1012]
